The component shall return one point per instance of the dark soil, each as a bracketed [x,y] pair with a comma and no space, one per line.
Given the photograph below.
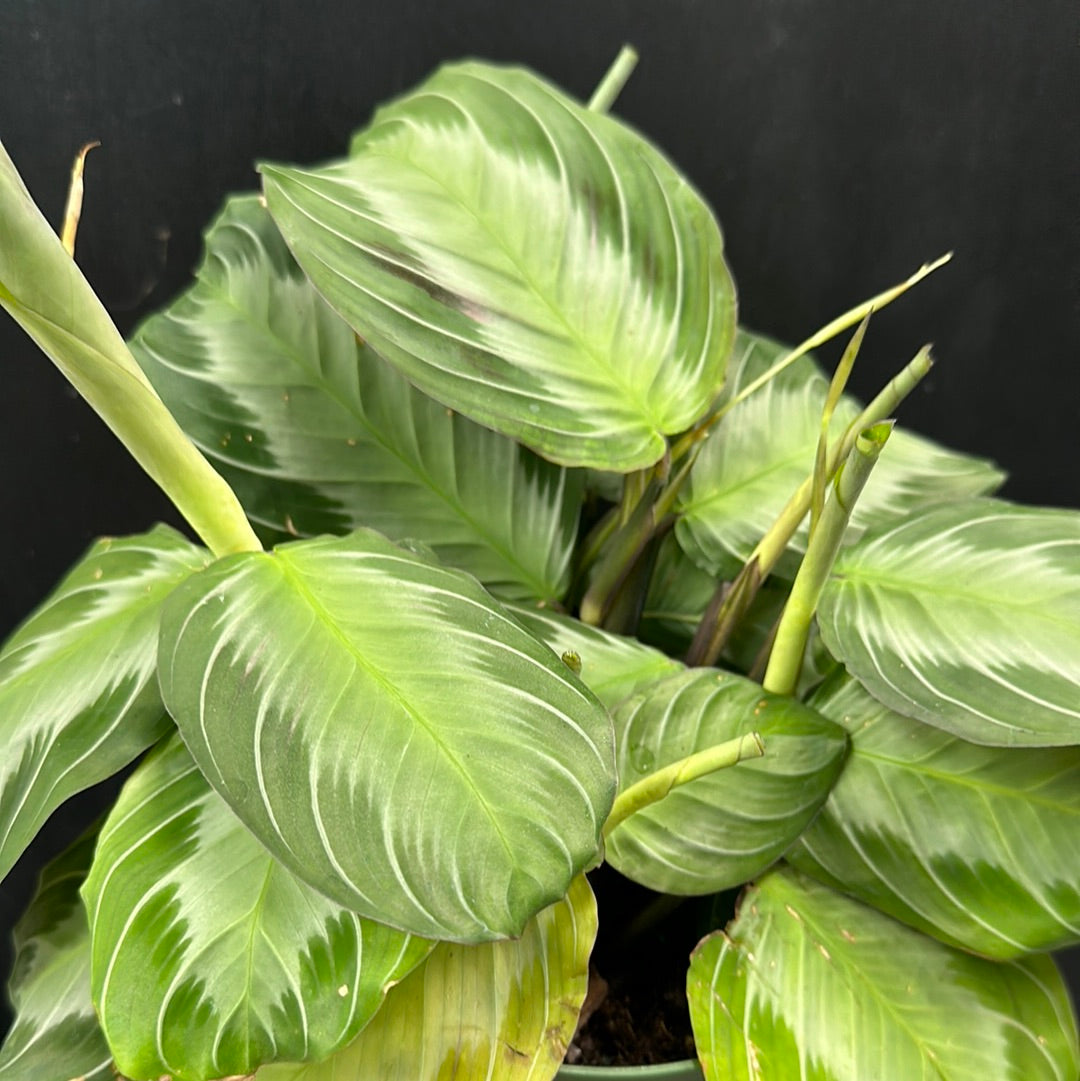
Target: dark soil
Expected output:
[636,1012]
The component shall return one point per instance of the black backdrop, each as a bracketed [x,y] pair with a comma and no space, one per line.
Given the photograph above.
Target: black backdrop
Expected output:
[841,142]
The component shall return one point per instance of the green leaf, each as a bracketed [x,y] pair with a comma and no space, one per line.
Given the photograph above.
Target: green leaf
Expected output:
[317,434]
[56,1035]
[209,957]
[390,733]
[974,845]
[78,694]
[536,266]
[721,829]
[813,985]
[966,617]
[502,1011]
[613,666]
[765,447]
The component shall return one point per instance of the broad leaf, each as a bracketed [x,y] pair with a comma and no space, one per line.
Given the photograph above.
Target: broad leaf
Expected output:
[613,666]
[764,449]
[809,984]
[721,829]
[529,263]
[209,957]
[974,845]
[966,617]
[502,1011]
[679,593]
[78,694]
[390,733]
[317,434]
[56,1034]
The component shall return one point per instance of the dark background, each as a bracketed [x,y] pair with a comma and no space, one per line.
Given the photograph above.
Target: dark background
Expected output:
[842,143]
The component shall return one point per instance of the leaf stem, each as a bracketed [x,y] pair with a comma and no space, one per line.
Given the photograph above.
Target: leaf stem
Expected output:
[785,661]
[656,786]
[612,83]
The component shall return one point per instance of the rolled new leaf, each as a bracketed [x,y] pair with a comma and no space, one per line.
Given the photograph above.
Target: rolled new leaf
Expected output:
[318,434]
[505,1011]
[46,293]
[966,617]
[78,680]
[973,845]
[209,958]
[807,983]
[721,829]
[390,733]
[56,1032]
[528,262]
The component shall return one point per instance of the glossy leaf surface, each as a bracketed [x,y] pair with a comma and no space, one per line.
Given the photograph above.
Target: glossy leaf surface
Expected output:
[390,733]
[764,449]
[209,957]
[809,984]
[966,617]
[974,845]
[501,1011]
[78,694]
[55,1035]
[317,434]
[613,666]
[722,829]
[529,263]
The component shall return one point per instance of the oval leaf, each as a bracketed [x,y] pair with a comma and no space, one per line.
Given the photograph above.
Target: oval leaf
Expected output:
[502,1011]
[613,666]
[533,265]
[971,844]
[966,617]
[719,830]
[209,957]
[810,984]
[317,434]
[764,449]
[78,694]
[390,733]
[56,1034]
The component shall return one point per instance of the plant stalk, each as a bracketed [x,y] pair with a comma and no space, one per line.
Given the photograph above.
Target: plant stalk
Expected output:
[785,661]
[616,78]
[46,293]
[656,786]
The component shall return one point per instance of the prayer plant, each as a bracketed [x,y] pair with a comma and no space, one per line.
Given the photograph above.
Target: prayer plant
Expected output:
[518,556]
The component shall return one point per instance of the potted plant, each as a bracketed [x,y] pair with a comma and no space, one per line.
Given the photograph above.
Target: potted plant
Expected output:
[524,572]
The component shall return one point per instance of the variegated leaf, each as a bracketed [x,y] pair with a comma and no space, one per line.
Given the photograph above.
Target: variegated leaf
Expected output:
[56,1035]
[974,845]
[613,666]
[723,828]
[966,617]
[532,264]
[809,984]
[78,693]
[502,1011]
[317,434]
[209,957]
[764,448]
[390,733]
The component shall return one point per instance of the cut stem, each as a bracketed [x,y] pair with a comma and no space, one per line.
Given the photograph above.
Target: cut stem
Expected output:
[612,83]
[785,661]
[656,786]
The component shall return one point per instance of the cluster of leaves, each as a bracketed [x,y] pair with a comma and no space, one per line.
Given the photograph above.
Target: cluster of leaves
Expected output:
[480,389]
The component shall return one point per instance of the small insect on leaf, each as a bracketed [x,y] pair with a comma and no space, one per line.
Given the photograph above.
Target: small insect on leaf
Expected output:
[572,659]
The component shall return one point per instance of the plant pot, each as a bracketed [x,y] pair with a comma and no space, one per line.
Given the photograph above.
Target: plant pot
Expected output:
[686,1070]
